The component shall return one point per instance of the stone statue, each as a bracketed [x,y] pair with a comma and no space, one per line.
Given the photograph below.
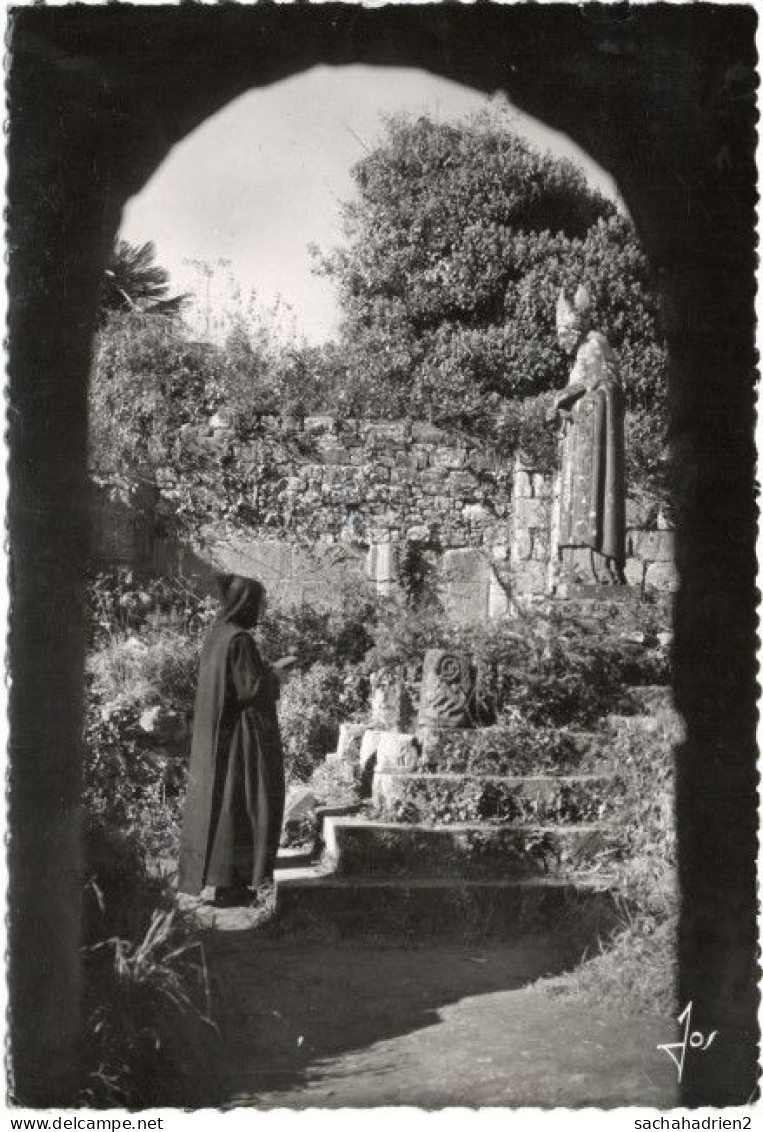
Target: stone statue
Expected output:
[591,414]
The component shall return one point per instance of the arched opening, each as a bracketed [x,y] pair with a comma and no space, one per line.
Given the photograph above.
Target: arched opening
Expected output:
[664,100]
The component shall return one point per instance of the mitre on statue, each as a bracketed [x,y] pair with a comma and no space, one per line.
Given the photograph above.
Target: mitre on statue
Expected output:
[573,314]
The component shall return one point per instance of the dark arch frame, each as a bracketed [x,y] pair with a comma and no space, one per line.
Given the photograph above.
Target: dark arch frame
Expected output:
[663,97]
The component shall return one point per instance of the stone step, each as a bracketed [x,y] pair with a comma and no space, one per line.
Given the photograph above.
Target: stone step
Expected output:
[436,798]
[357,847]
[575,912]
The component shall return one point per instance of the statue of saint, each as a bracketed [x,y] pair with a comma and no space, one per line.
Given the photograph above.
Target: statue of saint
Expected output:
[591,414]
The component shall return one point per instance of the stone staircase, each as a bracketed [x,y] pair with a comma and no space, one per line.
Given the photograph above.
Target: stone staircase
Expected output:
[464,854]
[521,862]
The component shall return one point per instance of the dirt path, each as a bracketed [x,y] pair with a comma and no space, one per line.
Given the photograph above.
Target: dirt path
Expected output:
[333,1026]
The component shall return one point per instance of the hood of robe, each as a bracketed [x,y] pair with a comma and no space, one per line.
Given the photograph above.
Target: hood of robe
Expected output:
[241,600]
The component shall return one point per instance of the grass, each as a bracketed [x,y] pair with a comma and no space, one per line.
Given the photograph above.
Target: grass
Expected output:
[636,971]
[146,999]
[143,1032]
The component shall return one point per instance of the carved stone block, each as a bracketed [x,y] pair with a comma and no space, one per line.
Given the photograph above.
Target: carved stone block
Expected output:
[447,686]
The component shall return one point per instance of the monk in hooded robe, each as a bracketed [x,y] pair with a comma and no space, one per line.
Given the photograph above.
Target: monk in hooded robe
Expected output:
[591,412]
[235,799]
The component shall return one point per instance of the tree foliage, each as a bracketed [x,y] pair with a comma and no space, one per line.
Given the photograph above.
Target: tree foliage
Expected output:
[455,248]
[155,393]
[148,380]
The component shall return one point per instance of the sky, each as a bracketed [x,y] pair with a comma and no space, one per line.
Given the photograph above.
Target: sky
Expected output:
[253,186]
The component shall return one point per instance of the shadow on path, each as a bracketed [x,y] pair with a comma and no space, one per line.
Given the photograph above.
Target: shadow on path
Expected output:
[332,1026]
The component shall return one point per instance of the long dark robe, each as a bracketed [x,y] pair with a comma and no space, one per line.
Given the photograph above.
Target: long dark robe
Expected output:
[592,487]
[235,799]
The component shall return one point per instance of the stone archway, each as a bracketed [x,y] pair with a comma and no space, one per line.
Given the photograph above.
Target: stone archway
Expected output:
[663,98]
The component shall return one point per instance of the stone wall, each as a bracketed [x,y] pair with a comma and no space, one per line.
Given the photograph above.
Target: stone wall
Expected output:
[649,540]
[323,480]
[331,501]
[334,499]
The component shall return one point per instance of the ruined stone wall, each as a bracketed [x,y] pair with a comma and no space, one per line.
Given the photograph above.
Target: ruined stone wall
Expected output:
[331,499]
[324,479]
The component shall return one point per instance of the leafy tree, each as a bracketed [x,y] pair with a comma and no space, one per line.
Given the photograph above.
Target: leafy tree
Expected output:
[148,380]
[152,386]
[133,281]
[456,246]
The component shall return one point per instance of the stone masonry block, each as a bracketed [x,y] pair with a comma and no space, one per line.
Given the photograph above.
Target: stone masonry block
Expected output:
[397,751]
[640,513]
[651,546]
[634,571]
[448,458]
[466,601]
[270,561]
[462,483]
[320,424]
[662,576]
[497,599]
[335,455]
[522,546]
[465,566]
[535,513]
[529,577]
[476,513]
[542,485]
[418,533]
[425,433]
[431,478]
[380,431]
[287,593]
[380,564]
[523,485]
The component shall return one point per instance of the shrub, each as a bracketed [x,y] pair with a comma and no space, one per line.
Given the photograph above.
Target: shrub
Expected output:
[135,775]
[341,634]
[312,706]
[512,747]
[129,783]
[121,601]
[336,783]
[145,1005]
[157,667]
[492,802]
[546,669]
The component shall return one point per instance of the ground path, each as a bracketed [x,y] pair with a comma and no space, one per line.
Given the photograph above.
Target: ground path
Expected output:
[331,1025]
